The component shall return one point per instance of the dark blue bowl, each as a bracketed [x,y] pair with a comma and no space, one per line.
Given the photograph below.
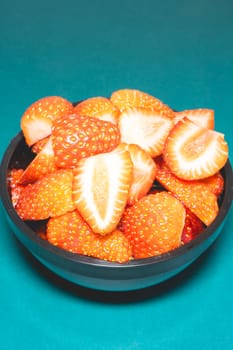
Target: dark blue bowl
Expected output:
[96,273]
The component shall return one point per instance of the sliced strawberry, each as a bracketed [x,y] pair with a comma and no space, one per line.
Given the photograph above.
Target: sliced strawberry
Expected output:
[75,137]
[192,228]
[101,187]
[49,196]
[131,98]
[98,107]
[71,232]
[196,195]
[143,172]
[154,224]
[203,117]
[193,152]
[39,145]
[148,129]
[215,183]
[13,184]
[36,122]
[42,164]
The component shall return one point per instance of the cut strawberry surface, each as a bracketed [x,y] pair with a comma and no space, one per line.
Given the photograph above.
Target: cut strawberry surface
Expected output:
[101,187]
[75,137]
[131,98]
[42,164]
[154,224]
[143,172]
[72,233]
[49,196]
[193,152]
[196,195]
[203,117]
[98,107]
[148,129]
[36,122]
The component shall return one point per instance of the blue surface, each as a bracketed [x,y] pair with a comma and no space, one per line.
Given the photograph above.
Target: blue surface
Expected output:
[181,52]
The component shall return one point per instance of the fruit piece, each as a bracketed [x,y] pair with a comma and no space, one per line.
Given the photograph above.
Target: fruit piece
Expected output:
[148,129]
[98,107]
[193,152]
[196,195]
[215,183]
[39,145]
[71,232]
[154,224]
[13,184]
[49,196]
[42,164]
[143,172]
[192,228]
[203,117]
[36,122]
[100,189]
[75,137]
[130,98]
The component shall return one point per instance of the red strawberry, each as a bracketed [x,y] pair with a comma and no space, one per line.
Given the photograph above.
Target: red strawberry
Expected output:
[192,228]
[71,232]
[39,145]
[154,224]
[75,137]
[13,183]
[98,107]
[36,122]
[49,196]
[203,117]
[148,129]
[42,164]
[131,98]
[196,195]
[215,183]
[100,189]
[143,172]
[193,152]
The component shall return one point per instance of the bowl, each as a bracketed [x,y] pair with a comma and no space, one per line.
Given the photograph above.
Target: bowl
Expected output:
[95,273]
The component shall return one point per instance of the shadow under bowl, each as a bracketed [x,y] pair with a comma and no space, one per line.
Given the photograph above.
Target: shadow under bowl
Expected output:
[95,273]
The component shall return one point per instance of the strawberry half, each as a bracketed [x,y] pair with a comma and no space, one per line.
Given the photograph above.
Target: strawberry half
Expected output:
[193,152]
[101,187]
[192,228]
[196,194]
[42,164]
[148,129]
[131,98]
[36,122]
[98,107]
[71,232]
[75,137]
[143,172]
[203,117]
[14,186]
[154,224]
[49,196]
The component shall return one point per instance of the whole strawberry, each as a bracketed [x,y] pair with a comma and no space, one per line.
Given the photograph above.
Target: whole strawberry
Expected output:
[75,137]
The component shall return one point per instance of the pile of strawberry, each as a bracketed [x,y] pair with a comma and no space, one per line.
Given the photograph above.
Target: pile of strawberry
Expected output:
[119,178]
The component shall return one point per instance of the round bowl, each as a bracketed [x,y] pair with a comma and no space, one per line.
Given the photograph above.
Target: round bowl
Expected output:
[95,273]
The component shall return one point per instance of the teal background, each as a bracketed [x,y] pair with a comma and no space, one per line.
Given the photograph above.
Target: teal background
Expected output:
[180,51]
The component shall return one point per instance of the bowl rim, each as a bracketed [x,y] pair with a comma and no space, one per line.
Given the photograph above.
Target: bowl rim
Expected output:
[86,260]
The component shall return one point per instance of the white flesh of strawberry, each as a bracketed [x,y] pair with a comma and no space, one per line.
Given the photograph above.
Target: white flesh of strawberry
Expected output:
[101,187]
[193,152]
[148,129]
[36,129]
